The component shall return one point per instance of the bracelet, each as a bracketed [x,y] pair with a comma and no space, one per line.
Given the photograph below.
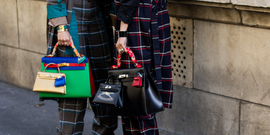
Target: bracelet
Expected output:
[62,28]
[122,34]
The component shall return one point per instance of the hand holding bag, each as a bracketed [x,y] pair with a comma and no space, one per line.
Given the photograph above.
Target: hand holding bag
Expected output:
[109,94]
[77,74]
[143,98]
[45,82]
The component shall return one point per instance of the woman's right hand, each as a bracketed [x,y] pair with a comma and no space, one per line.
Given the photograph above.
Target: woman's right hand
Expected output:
[121,45]
[64,38]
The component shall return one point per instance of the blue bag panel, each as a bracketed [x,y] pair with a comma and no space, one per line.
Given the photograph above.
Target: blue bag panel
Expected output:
[58,60]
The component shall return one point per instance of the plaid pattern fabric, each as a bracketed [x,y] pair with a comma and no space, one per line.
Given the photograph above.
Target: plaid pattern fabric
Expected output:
[93,24]
[149,39]
[144,125]
[103,124]
[71,114]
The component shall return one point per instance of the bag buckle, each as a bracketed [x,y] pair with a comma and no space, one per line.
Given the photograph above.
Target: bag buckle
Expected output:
[50,75]
[123,76]
[108,87]
[63,64]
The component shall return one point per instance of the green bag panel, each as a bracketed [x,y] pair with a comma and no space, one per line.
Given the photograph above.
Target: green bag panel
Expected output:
[77,84]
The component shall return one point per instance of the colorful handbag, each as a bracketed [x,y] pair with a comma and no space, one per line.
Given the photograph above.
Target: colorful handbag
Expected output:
[77,74]
[109,94]
[140,93]
[49,82]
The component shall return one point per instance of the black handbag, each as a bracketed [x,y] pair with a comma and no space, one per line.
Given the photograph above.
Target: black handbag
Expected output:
[109,94]
[141,99]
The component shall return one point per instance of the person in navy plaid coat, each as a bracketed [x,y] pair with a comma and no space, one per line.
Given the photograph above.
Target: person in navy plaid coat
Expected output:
[144,27]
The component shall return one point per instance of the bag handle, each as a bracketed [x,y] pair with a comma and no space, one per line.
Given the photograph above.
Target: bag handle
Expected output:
[113,75]
[131,54]
[49,65]
[81,57]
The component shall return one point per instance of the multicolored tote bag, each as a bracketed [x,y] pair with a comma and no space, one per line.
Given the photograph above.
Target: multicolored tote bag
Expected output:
[77,74]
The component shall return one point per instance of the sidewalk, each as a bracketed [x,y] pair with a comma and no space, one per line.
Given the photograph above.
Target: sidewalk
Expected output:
[19,116]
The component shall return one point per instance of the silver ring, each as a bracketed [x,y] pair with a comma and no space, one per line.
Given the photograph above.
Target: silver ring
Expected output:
[121,50]
[65,43]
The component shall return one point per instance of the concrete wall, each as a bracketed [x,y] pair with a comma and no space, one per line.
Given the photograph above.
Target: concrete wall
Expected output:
[227,91]
[230,93]
[22,40]
[254,3]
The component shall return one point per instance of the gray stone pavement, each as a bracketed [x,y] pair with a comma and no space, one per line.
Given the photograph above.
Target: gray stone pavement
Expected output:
[20,116]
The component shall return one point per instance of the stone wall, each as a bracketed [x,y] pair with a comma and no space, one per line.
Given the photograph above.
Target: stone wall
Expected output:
[22,40]
[226,89]
[230,92]
[254,3]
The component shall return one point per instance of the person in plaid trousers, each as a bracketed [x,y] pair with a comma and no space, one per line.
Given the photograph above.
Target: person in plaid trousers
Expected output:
[144,27]
[87,23]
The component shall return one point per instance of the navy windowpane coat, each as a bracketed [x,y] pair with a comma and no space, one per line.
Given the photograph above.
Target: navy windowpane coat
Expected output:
[150,40]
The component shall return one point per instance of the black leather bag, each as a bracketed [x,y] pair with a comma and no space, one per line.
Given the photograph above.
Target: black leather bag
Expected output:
[142,100]
[109,94]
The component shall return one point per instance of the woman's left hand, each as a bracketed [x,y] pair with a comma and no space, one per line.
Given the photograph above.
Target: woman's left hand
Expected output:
[121,45]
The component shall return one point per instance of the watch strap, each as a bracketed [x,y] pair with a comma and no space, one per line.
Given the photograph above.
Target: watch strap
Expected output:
[122,33]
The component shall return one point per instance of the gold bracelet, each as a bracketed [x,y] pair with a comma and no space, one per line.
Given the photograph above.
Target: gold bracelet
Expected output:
[62,28]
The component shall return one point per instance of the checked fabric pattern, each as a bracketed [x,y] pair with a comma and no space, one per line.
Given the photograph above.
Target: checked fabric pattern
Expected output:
[150,40]
[93,24]
[143,125]
[71,114]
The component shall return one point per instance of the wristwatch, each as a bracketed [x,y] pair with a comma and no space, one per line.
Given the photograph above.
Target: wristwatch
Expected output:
[122,33]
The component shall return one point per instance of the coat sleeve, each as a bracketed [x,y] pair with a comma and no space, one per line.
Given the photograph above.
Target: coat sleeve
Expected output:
[133,3]
[57,12]
[58,21]
[127,10]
